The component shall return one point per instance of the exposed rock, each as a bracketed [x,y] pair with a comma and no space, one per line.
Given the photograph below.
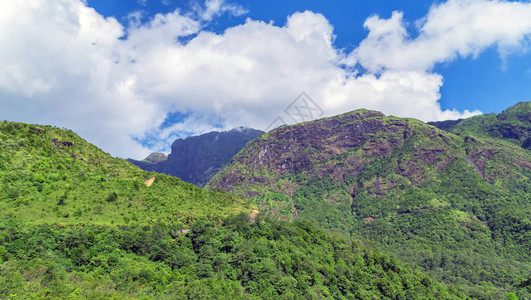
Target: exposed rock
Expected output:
[324,148]
[360,152]
[197,158]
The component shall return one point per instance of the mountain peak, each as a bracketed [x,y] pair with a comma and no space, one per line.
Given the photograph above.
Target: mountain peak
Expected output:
[196,159]
[155,157]
[243,129]
[520,111]
[392,180]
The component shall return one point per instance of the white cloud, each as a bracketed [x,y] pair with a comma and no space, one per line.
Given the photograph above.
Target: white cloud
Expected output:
[214,8]
[64,64]
[62,71]
[218,7]
[457,28]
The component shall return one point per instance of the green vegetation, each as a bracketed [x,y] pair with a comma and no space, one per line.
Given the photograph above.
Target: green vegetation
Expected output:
[155,157]
[196,159]
[52,176]
[240,260]
[459,207]
[76,223]
[513,125]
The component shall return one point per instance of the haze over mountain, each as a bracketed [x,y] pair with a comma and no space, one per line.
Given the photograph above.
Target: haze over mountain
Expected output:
[196,159]
[458,206]
[155,157]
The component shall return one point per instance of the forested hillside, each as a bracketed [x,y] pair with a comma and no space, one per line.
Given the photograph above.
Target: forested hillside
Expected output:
[76,223]
[513,125]
[50,175]
[459,207]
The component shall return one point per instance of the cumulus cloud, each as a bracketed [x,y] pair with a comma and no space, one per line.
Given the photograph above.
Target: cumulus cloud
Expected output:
[65,64]
[58,67]
[457,28]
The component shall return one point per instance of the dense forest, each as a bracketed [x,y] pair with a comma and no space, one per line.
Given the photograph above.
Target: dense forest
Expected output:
[237,260]
[77,223]
[457,206]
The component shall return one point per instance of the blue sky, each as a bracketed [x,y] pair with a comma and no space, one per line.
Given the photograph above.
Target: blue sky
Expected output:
[133,75]
[486,82]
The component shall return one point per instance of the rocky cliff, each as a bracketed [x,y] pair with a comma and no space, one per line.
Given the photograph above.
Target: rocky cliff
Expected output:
[408,187]
[197,158]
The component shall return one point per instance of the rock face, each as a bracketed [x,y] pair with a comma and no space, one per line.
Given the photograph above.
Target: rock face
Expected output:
[197,158]
[513,125]
[312,148]
[340,148]
[408,187]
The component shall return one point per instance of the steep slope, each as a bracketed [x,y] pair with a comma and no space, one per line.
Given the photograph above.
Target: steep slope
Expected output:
[458,206]
[197,158]
[76,223]
[513,125]
[49,175]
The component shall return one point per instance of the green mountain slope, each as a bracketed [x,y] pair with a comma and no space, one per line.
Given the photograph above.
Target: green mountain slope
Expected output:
[457,206]
[48,175]
[513,125]
[240,260]
[76,223]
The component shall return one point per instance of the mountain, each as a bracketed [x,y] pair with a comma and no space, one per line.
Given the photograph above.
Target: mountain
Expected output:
[459,207]
[51,175]
[76,223]
[155,157]
[513,125]
[197,158]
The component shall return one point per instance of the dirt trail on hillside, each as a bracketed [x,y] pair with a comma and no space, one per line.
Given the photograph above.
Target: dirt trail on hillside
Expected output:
[149,181]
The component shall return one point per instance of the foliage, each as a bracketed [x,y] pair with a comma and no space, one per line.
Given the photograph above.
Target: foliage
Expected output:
[459,207]
[240,260]
[49,176]
[77,223]
[513,125]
